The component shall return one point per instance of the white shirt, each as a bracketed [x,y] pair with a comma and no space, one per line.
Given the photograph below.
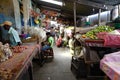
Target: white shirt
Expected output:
[15,34]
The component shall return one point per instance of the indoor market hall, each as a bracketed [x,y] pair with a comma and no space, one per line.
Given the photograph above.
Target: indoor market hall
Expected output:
[59,39]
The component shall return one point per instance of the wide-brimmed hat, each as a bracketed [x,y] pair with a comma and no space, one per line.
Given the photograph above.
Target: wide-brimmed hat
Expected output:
[7,23]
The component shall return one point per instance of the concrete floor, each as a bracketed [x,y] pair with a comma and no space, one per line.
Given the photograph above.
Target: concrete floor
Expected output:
[58,69]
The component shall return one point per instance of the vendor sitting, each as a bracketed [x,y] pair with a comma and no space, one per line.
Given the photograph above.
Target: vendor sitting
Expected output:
[13,36]
[48,44]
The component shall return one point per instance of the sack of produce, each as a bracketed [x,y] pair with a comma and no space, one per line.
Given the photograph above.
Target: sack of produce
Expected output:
[5,52]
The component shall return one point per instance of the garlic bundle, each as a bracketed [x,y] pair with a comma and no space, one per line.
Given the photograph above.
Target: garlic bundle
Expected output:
[5,52]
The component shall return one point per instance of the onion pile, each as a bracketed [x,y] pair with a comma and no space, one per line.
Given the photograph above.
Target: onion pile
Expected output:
[19,49]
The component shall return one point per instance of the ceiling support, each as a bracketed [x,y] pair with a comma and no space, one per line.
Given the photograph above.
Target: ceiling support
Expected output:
[74,9]
[99,17]
[94,4]
[54,9]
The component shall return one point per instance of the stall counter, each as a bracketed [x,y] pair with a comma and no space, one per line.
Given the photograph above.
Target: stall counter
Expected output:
[13,68]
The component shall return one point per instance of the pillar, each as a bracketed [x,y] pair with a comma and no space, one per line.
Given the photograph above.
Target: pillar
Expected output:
[17,15]
[99,17]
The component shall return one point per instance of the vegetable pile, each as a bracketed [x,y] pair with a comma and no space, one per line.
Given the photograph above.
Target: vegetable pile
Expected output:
[93,33]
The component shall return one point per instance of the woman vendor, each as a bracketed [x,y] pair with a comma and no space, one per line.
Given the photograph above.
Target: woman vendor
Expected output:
[12,36]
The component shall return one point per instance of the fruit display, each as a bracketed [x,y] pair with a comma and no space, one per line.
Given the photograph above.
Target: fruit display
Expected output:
[92,34]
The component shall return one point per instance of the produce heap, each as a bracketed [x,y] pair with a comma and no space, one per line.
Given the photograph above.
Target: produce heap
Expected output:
[93,33]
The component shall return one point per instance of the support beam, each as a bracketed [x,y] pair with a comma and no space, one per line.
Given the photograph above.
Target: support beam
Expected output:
[99,17]
[74,9]
[93,4]
[51,8]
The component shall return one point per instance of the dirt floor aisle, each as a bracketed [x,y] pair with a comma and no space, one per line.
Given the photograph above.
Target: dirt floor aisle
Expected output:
[58,69]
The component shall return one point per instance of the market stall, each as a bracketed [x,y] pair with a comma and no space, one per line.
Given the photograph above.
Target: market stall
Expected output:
[96,43]
[19,63]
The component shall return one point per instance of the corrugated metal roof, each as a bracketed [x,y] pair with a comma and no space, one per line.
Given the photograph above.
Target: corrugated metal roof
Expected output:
[84,7]
[107,2]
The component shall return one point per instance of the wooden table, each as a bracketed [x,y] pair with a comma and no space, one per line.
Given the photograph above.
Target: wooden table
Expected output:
[20,62]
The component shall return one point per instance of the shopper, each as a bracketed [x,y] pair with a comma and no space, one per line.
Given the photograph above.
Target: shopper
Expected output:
[71,43]
[59,41]
[12,36]
[52,31]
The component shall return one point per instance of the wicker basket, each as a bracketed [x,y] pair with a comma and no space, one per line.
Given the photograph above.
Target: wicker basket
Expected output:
[29,40]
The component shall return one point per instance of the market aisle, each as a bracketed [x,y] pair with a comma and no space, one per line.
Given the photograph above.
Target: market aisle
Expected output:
[58,69]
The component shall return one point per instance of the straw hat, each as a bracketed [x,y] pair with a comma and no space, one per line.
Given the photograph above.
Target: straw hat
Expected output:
[7,23]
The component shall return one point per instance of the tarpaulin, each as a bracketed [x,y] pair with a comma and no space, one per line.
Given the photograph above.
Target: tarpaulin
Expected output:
[110,64]
[112,40]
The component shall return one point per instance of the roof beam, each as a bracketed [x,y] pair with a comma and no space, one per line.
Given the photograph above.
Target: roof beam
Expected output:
[94,4]
[50,8]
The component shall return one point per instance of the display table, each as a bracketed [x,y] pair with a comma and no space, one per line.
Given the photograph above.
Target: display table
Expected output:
[19,63]
[110,65]
[91,42]
[109,40]
[93,51]
[94,43]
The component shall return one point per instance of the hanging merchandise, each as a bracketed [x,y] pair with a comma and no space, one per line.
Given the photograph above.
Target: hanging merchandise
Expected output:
[37,20]
[42,16]
[33,13]
[49,13]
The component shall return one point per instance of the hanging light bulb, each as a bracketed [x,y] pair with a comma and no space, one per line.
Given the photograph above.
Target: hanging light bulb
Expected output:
[93,10]
[105,7]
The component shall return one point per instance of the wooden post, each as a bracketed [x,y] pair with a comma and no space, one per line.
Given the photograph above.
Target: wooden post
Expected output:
[74,15]
[74,9]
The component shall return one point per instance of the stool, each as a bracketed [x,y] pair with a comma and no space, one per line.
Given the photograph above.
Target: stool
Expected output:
[78,68]
[49,53]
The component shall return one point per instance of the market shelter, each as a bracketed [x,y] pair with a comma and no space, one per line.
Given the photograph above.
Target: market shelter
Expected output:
[18,64]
